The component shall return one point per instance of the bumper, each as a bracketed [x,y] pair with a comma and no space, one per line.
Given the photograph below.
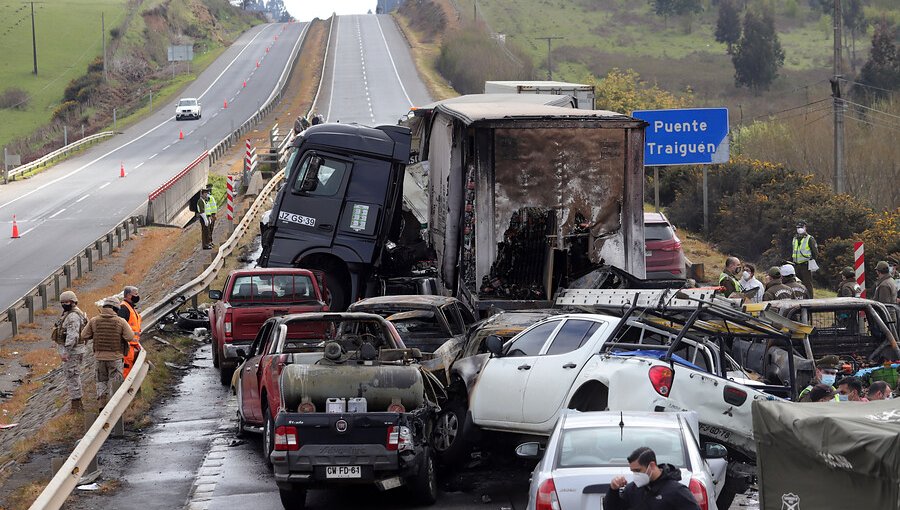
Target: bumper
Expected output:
[231,348]
[665,275]
[307,466]
[187,115]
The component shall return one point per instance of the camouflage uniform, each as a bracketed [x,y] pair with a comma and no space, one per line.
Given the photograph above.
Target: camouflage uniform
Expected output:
[72,350]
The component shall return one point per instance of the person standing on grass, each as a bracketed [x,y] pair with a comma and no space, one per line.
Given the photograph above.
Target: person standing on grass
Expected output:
[130,298]
[205,222]
[804,252]
[67,335]
[885,288]
[848,286]
[111,335]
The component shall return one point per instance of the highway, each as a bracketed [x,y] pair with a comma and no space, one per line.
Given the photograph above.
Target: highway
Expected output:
[63,209]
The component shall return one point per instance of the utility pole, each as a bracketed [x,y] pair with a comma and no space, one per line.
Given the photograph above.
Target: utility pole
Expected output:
[103,38]
[33,39]
[549,40]
[838,103]
[475,11]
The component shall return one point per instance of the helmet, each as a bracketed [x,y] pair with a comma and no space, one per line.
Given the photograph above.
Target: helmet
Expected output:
[68,296]
[111,301]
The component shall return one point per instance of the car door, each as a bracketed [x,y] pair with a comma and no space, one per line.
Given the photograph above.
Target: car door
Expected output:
[555,369]
[250,404]
[498,394]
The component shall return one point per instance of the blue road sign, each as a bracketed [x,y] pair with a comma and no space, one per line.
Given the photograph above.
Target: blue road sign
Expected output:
[692,136]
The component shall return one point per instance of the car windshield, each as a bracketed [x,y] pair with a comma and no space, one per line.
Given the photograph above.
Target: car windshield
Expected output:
[658,232]
[611,446]
[187,102]
[312,335]
[419,327]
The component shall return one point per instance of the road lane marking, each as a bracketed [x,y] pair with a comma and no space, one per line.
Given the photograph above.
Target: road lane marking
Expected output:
[105,185]
[164,148]
[139,165]
[126,144]
[82,198]
[337,34]
[153,156]
[57,213]
[383,38]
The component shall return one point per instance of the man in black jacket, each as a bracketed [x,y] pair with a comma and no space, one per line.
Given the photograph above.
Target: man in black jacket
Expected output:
[655,487]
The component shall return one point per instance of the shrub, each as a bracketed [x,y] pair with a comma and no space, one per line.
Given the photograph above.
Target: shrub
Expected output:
[625,91]
[63,111]
[425,16]
[14,98]
[115,33]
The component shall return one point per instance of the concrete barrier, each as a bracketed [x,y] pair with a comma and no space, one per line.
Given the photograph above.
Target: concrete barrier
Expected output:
[168,204]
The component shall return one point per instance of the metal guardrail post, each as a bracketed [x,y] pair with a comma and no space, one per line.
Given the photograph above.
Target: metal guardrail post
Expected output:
[89,254]
[78,270]
[118,236]
[29,305]
[98,244]
[127,230]
[56,286]
[67,271]
[109,241]
[11,314]
[42,292]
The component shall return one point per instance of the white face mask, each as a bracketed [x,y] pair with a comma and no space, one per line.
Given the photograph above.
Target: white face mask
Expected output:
[641,479]
[801,230]
[746,275]
[828,379]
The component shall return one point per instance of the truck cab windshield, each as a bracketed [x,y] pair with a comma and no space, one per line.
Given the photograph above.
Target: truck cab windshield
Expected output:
[330,174]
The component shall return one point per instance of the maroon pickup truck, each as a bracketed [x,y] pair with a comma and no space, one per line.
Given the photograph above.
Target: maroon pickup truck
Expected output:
[249,298]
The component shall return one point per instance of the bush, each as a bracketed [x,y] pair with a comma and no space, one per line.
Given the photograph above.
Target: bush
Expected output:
[115,33]
[425,17]
[625,91]
[469,57]
[14,98]
[63,111]
[88,82]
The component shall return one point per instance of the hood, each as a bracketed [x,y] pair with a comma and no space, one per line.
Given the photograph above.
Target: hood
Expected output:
[669,472]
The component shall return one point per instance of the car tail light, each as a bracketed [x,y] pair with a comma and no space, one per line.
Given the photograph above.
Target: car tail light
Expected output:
[286,439]
[673,246]
[661,379]
[228,323]
[699,492]
[546,496]
[734,396]
[399,438]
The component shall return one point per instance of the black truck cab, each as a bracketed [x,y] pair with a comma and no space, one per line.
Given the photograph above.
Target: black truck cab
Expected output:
[335,209]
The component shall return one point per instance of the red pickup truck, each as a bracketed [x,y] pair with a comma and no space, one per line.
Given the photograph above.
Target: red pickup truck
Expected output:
[249,297]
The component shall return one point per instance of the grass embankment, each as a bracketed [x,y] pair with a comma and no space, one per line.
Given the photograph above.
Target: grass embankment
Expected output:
[425,45]
[67,36]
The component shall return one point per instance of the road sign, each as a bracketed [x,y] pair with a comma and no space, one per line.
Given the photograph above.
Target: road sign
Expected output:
[692,136]
[181,53]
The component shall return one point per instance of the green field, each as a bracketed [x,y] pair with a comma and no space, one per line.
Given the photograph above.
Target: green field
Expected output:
[68,37]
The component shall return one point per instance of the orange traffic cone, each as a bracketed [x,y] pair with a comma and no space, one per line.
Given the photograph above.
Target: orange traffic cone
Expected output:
[180,134]
[257,63]
[15,232]
[225,104]
[245,83]
[122,170]
[267,49]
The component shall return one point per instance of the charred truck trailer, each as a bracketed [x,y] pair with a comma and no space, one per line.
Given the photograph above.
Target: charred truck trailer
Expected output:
[521,199]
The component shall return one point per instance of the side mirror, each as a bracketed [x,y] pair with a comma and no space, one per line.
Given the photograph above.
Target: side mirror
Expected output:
[311,179]
[494,345]
[714,451]
[241,353]
[529,450]
[215,295]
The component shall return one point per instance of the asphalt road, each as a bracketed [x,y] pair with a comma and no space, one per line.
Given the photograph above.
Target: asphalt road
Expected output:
[63,209]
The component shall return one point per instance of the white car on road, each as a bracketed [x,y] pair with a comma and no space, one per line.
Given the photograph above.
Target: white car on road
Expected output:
[587,450]
[187,108]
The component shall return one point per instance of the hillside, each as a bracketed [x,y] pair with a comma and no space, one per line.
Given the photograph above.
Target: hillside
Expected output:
[70,90]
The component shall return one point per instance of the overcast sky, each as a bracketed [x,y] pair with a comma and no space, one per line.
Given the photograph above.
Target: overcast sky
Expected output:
[305,10]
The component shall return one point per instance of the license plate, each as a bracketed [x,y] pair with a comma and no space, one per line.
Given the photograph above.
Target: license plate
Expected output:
[343,472]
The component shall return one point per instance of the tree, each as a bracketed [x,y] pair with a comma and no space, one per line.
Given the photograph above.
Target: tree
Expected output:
[728,26]
[882,70]
[855,22]
[759,55]
[666,8]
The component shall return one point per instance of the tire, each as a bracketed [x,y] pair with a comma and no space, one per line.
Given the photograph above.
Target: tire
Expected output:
[241,431]
[423,485]
[339,295]
[226,370]
[451,447]
[192,319]
[268,442]
[293,498]
[215,354]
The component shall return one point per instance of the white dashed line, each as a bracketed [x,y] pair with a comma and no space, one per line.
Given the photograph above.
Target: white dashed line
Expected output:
[139,165]
[153,156]
[105,185]
[165,148]
[82,198]
[57,213]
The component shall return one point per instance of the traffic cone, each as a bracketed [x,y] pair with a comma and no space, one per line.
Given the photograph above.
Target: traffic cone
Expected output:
[122,169]
[245,83]
[257,63]
[15,232]
[225,104]
[267,49]
[180,134]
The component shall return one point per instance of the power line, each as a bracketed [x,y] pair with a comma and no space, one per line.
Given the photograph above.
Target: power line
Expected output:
[869,86]
[872,109]
[892,127]
[805,112]
[790,109]
[827,113]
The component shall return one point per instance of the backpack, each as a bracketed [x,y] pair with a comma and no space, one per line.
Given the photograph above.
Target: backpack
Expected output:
[58,333]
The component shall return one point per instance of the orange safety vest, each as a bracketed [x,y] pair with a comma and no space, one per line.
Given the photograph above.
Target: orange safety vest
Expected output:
[134,320]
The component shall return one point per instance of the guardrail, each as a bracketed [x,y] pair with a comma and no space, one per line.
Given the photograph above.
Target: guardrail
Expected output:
[170,199]
[62,277]
[63,151]
[66,479]
[277,153]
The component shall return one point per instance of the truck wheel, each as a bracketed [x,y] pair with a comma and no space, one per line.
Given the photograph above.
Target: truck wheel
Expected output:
[450,445]
[293,498]
[339,297]
[268,442]
[226,370]
[423,485]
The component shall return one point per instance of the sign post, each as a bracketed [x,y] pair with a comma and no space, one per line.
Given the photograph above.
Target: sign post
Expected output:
[691,136]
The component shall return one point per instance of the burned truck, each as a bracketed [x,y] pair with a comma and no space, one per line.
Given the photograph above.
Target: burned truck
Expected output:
[515,198]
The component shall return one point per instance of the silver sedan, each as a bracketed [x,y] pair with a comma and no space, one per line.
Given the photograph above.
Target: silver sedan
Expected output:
[587,450]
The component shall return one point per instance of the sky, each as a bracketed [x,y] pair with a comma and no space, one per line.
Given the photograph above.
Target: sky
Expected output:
[305,10]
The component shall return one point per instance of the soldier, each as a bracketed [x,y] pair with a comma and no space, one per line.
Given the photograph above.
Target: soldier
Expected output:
[776,290]
[111,335]
[67,335]
[789,278]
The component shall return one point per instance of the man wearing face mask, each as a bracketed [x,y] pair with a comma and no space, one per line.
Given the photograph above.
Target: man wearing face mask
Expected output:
[729,277]
[826,373]
[67,335]
[803,250]
[850,389]
[130,298]
[751,287]
[655,487]
[878,390]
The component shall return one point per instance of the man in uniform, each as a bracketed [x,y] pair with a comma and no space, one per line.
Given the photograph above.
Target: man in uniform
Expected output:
[826,373]
[848,287]
[212,209]
[789,278]
[804,249]
[205,228]
[67,334]
[775,290]
[111,335]
[885,288]
[729,277]
[130,298]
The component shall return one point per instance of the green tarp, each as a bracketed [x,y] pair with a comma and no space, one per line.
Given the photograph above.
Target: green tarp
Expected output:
[841,455]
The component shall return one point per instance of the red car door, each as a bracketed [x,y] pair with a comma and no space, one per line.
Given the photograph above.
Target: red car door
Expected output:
[251,407]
